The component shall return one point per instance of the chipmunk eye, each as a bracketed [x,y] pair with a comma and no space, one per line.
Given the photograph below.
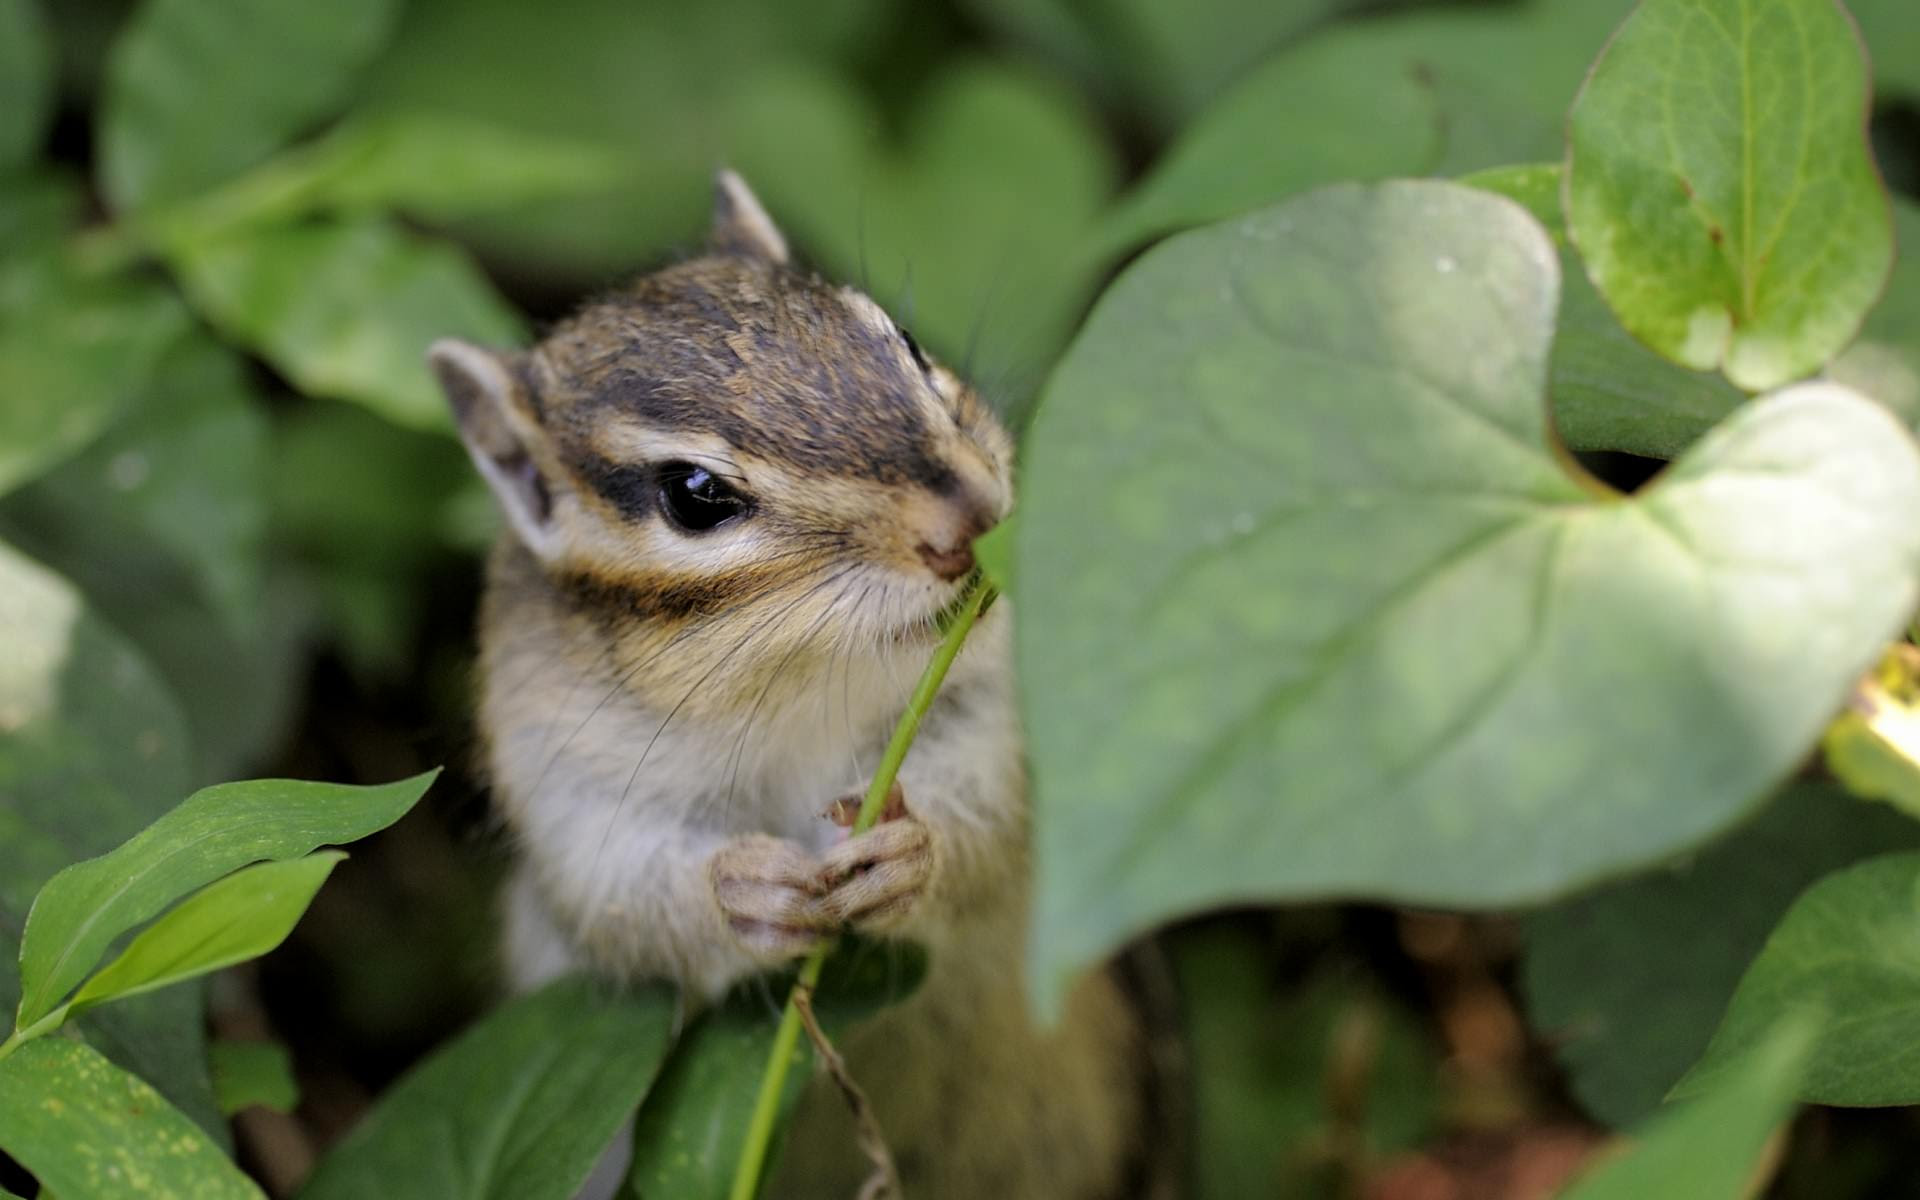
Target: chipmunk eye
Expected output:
[695,499]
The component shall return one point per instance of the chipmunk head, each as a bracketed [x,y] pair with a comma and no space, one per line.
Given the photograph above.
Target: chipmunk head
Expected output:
[734,440]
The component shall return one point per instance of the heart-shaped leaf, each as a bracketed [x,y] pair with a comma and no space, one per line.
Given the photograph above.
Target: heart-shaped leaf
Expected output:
[1610,392]
[519,1107]
[1721,189]
[1628,982]
[1347,625]
[1848,955]
[85,1127]
[198,90]
[80,911]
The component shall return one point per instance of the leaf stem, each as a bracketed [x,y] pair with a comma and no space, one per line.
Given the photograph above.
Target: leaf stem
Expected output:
[773,1081]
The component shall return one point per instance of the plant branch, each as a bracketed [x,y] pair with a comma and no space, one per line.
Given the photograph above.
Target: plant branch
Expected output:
[773,1081]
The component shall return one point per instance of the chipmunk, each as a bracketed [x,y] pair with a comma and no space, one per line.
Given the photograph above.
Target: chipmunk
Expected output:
[736,499]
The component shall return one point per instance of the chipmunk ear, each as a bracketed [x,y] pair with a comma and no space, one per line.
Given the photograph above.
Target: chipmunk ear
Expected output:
[492,407]
[740,224]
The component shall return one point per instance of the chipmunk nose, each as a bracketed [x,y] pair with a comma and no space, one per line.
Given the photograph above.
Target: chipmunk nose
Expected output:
[950,554]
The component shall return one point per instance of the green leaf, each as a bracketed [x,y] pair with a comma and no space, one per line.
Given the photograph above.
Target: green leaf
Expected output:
[26,81]
[229,921]
[72,352]
[85,1128]
[429,165]
[519,1107]
[1754,241]
[655,83]
[250,1074]
[1610,392]
[1627,983]
[1406,654]
[1367,125]
[687,1137]
[185,472]
[994,550]
[347,310]
[1708,1149]
[1847,951]
[213,832]
[92,748]
[1874,747]
[1171,58]
[199,90]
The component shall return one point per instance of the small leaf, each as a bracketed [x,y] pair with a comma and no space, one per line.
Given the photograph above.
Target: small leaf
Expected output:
[1874,747]
[1398,650]
[1721,189]
[1610,392]
[1707,1149]
[519,1107]
[229,921]
[85,907]
[1628,982]
[72,353]
[253,1074]
[198,90]
[994,551]
[85,1127]
[37,207]
[347,310]
[26,81]
[687,1137]
[1367,125]
[1849,951]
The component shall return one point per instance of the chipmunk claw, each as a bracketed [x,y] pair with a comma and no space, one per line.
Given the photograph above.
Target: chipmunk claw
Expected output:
[770,892]
[872,879]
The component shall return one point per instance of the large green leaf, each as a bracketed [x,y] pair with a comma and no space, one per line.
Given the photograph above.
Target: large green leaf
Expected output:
[1627,983]
[26,80]
[1847,951]
[229,921]
[519,1107]
[72,353]
[1709,1149]
[687,1138]
[1392,647]
[346,309]
[80,911]
[249,1074]
[87,1128]
[1609,391]
[198,90]
[1720,187]
[1367,125]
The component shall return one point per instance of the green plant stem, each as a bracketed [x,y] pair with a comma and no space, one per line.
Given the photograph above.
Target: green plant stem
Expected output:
[773,1081]
[44,1025]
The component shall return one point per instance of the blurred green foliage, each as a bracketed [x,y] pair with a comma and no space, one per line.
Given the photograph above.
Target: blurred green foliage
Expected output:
[235,535]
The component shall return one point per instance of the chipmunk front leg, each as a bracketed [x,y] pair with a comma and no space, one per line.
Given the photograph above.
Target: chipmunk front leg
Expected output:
[874,879]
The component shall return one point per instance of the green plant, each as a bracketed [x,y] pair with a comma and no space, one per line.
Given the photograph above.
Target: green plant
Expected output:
[1333,580]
